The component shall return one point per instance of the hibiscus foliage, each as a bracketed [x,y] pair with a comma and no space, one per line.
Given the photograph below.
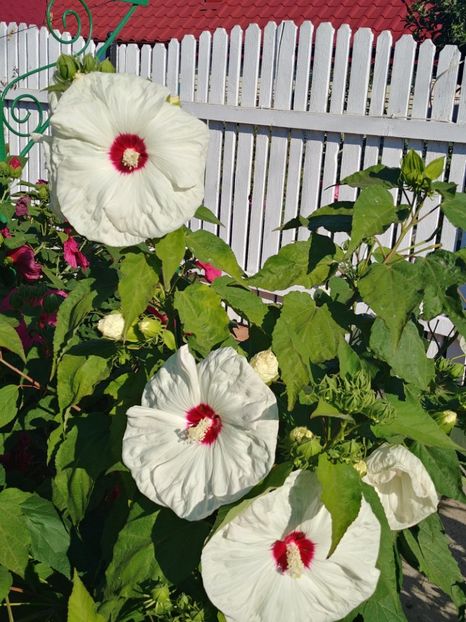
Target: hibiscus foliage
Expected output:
[85,326]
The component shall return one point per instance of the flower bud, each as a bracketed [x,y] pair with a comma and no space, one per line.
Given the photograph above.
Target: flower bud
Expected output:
[360,467]
[150,327]
[265,364]
[106,66]
[112,326]
[446,420]
[301,434]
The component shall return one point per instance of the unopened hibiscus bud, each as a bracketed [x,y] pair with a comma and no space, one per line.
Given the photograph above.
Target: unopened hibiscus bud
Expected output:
[150,327]
[106,66]
[266,365]
[23,260]
[66,67]
[22,206]
[360,467]
[301,434]
[15,163]
[210,272]
[112,326]
[446,420]
[174,100]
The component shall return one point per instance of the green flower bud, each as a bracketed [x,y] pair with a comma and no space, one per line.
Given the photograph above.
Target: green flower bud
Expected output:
[446,420]
[89,63]
[66,67]
[150,327]
[106,66]
[301,434]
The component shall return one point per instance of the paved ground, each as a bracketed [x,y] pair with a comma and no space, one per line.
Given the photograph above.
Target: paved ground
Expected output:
[422,601]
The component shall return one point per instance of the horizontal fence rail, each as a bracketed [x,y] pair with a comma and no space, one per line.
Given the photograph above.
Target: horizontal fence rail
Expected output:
[290,111]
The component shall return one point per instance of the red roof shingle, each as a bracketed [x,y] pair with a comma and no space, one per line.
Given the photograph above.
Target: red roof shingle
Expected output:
[162,20]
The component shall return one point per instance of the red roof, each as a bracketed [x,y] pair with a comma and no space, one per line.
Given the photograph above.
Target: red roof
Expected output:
[162,20]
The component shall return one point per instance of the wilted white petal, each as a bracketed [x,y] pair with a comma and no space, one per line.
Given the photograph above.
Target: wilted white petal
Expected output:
[204,435]
[269,563]
[404,487]
[125,165]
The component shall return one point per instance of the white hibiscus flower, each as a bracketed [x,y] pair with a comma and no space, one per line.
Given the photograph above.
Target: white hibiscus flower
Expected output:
[204,435]
[404,487]
[125,165]
[270,564]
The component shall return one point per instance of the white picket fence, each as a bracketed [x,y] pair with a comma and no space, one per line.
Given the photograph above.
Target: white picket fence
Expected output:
[291,111]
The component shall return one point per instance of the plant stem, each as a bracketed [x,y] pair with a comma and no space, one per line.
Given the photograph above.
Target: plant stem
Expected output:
[9,610]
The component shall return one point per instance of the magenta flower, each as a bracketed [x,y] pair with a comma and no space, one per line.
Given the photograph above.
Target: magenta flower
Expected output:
[22,206]
[210,272]
[14,162]
[73,256]
[24,262]
[6,232]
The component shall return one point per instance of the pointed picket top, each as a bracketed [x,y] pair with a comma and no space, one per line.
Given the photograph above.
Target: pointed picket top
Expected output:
[323,52]
[444,90]
[423,82]
[402,75]
[188,67]
[360,68]
[381,66]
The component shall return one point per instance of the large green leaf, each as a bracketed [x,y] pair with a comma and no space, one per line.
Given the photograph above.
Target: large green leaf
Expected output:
[410,420]
[204,213]
[407,358]
[341,495]
[323,336]
[77,376]
[71,313]
[241,299]
[373,212]
[305,263]
[392,291]
[377,175]
[429,544]
[170,535]
[49,538]
[455,209]
[384,605]
[444,468]
[8,399]
[81,607]
[9,338]
[14,535]
[136,288]
[289,342]
[133,561]
[335,217]
[202,314]
[170,250]
[210,248]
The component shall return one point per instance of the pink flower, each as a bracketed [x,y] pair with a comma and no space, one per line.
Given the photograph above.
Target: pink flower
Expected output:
[210,272]
[14,162]
[22,205]
[6,232]
[163,317]
[73,255]
[23,260]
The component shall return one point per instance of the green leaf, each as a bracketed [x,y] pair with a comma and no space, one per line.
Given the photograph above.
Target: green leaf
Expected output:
[446,189]
[444,468]
[81,607]
[455,209]
[241,299]
[170,535]
[306,263]
[6,581]
[341,495]
[133,561]
[8,398]
[288,342]
[137,285]
[202,314]
[170,250]
[374,211]
[435,168]
[323,337]
[377,175]
[72,489]
[14,535]
[407,358]
[429,545]
[49,538]
[9,338]
[204,213]
[384,605]
[393,291]
[412,421]
[77,376]
[71,313]
[335,217]
[209,248]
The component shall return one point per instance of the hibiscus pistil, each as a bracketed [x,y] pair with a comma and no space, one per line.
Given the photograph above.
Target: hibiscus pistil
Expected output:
[130,158]
[204,424]
[293,554]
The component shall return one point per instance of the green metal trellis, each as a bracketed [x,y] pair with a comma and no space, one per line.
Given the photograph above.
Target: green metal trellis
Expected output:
[43,122]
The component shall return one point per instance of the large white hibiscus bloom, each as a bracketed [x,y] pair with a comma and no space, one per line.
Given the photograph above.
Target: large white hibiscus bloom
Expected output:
[404,487]
[124,164]
[204,435]
[270,564]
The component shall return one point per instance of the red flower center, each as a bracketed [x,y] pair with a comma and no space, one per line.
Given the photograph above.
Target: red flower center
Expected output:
[294,553]
[203,424]
[128,153]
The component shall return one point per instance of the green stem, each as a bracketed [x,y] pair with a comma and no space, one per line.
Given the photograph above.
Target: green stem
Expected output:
[9,610]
